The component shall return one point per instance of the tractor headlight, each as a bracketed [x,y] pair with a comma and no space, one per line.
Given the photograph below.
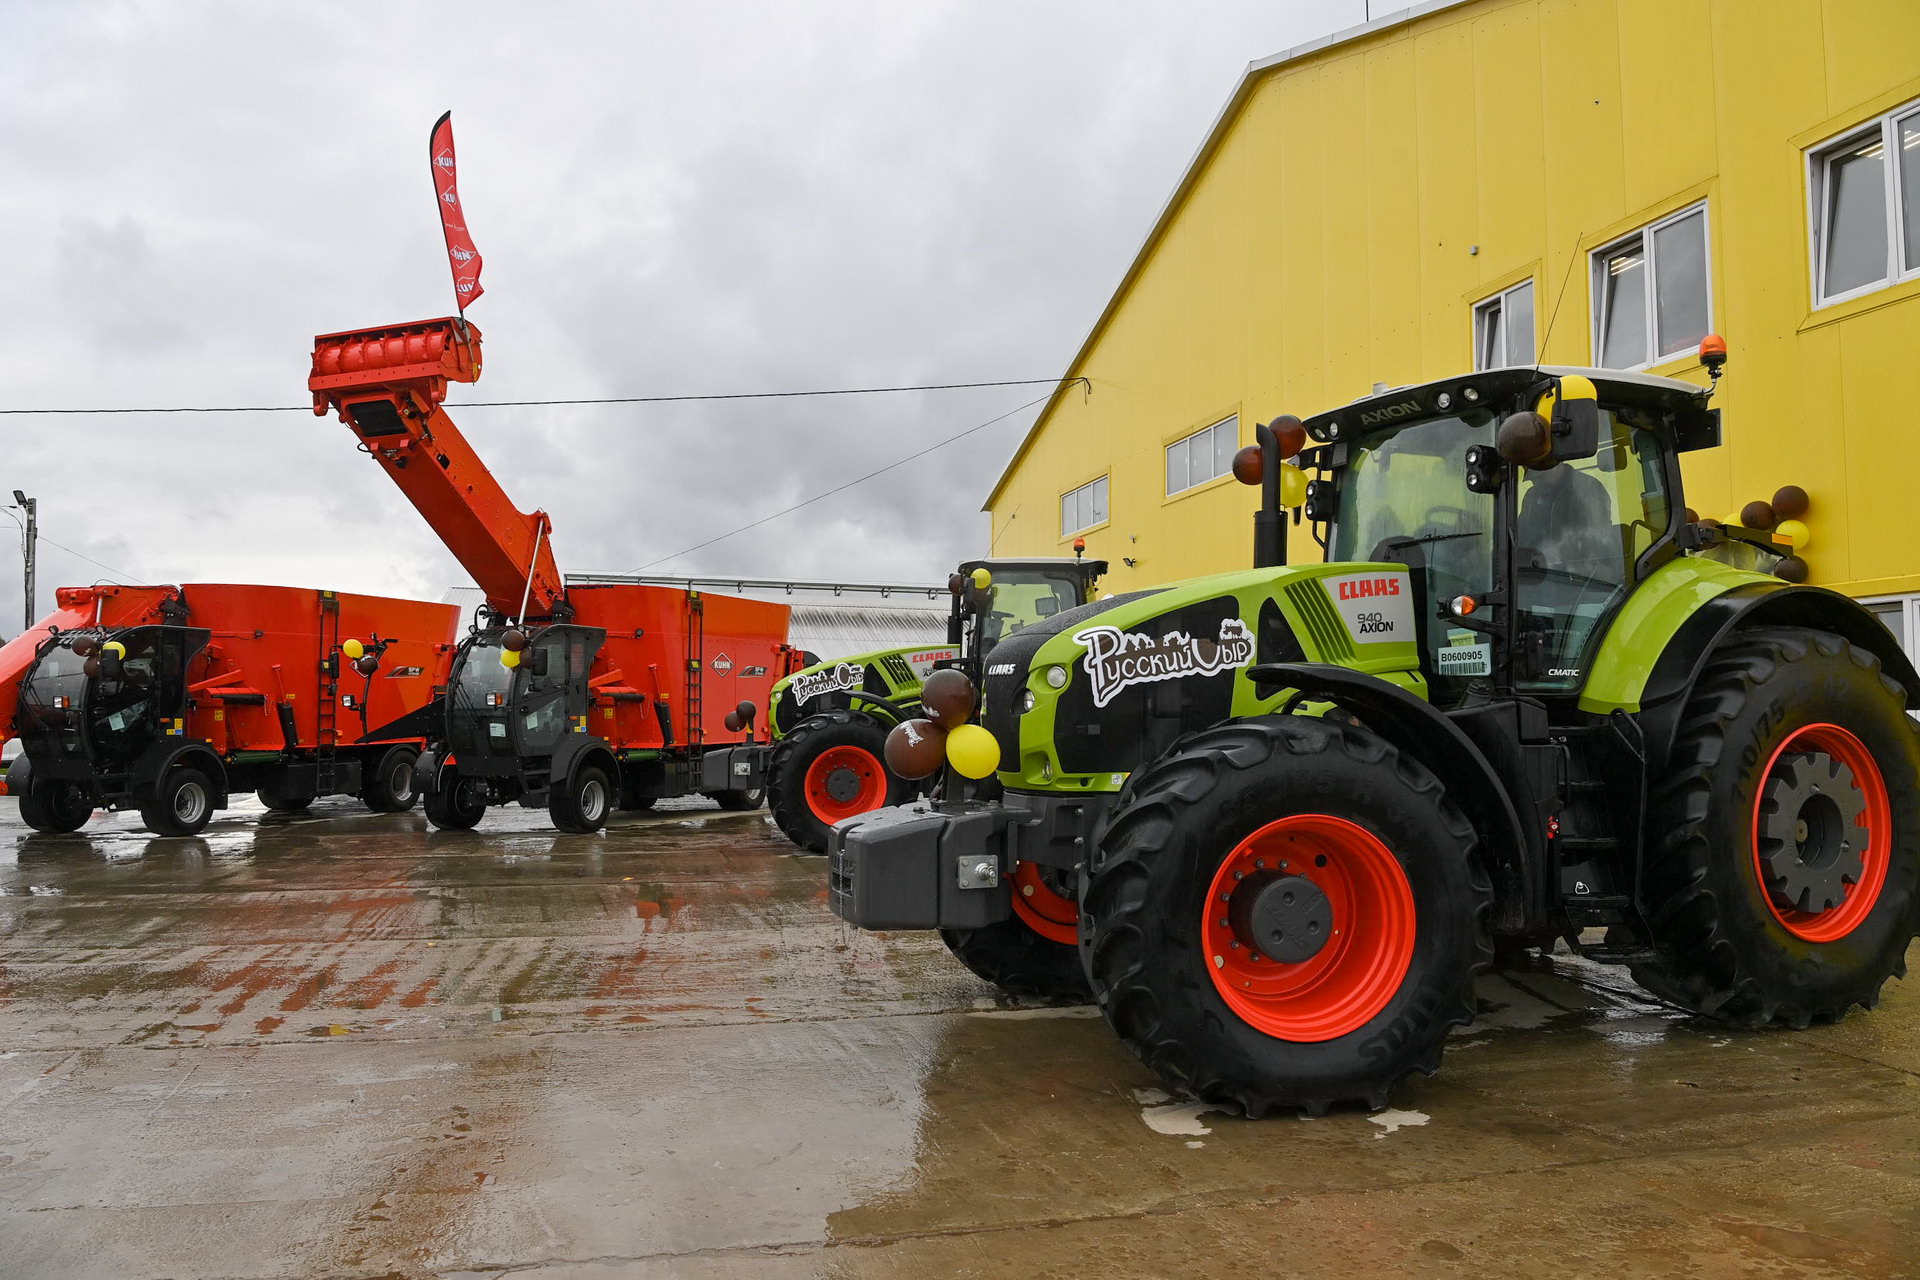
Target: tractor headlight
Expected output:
[1056,677]
[1026,701]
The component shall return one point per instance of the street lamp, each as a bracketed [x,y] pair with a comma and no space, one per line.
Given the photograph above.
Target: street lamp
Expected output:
[29,545]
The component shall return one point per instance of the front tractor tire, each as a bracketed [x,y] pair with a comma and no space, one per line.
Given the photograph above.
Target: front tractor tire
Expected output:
[56,808]
[832,766]
[1035,951]
[279,798]
[580,805]
[1286,912]
[1784,842]
[455,803]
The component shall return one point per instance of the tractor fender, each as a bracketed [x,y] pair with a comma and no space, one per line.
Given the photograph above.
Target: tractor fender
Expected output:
[19,775]
[1716,623]
[1418,730]
[577,749]
[153,764]
[426,771]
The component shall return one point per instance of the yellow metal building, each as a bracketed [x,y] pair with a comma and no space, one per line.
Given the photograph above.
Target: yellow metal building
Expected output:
[1484,182]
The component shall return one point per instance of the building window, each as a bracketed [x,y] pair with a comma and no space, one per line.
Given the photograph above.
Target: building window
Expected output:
[1651,297]
[1202,456]
[1503,329]
[1084,507]
[1866,206]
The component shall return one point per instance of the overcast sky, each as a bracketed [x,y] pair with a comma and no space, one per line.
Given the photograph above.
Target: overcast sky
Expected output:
[672,198]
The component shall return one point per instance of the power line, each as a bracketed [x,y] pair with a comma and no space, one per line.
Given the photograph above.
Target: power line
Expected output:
[524,404]
[939,444]
[118,573]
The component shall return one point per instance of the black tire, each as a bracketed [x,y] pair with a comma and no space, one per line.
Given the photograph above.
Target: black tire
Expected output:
[1146,912]
[181,805]
[739,801]
[1722,945]
[1016,958]
[457,804]
[279,798]
[795,754]
[388,786]
[56,808]
[581,804]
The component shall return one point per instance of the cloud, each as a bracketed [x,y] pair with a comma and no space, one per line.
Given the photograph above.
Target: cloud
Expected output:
[671,199]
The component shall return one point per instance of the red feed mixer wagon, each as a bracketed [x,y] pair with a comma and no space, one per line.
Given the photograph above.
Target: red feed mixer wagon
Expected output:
[577,697]
[171,699]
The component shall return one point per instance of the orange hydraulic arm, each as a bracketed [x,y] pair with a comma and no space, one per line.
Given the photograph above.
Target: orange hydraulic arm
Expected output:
[388,384]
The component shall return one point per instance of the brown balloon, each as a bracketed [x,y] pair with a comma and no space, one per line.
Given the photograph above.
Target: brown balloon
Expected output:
[1248,465]
[1758,515]
[1708,522]
[1690,516]
[1524,439]
[948,698]
[957,583]
[1792,569]
[1790,502]
[746,710]
[1289,433]
[366,664]
[82,646]
[91,666]
[514,640]
[733,721]
[915,749]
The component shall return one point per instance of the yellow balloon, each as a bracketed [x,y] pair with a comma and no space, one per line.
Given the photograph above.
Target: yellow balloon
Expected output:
[973,751]
[1293,485]
[1732,518]
[1794,533]
[509,658]
[352,648]
[982,579]
[115,648]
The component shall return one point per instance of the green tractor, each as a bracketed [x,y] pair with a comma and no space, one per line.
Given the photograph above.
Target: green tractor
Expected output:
[1279,819]
[829,722]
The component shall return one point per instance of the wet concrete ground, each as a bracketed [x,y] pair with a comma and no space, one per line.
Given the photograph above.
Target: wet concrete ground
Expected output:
[345,1046]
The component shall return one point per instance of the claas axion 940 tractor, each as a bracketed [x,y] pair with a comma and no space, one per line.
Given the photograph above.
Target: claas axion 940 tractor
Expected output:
[829,721]
[1286,814]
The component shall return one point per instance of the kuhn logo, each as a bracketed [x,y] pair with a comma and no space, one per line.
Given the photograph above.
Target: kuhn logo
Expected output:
[722,663]
[462,255]
[1392,413]
[1361,588]
[1117,660]
[835,679]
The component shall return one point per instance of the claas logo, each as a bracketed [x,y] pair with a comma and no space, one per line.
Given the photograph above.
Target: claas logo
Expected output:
[1362,588]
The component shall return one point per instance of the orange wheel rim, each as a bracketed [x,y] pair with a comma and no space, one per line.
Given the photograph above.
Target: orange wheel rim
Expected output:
[1052,915]
[843,781]
[1360,926]
[1869,836]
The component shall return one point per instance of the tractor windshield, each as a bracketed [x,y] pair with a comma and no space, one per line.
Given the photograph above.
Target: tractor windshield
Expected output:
[478,698]
[53,701]
[1408,488]
[1022,597]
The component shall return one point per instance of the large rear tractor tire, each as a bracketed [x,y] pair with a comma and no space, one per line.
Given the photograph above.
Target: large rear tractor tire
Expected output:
[1286,912]
[455,804]
[832,766]
[56,808]
[1035,951]
[388,785]
[580,805]
[181,805]
[1784,842]
[739,801]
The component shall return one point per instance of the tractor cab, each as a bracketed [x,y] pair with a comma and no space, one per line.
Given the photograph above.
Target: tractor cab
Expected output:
[1516,571]
[515,694]
[1017,594]
[96,701]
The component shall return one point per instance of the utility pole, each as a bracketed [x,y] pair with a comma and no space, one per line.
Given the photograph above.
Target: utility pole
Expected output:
[29,543]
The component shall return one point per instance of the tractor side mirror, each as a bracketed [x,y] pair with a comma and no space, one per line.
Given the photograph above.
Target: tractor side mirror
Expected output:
[1575,421]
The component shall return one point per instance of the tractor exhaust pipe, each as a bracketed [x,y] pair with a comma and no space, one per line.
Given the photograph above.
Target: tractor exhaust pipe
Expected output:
[1270,522]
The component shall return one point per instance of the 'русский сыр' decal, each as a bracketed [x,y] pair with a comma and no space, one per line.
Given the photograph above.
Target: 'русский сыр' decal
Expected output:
[1117,659]
[835,679]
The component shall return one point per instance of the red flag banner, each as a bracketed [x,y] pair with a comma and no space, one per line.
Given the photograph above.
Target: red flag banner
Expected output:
[461,255]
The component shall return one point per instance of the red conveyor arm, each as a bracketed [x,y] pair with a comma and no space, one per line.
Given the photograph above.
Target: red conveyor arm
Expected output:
[388,384]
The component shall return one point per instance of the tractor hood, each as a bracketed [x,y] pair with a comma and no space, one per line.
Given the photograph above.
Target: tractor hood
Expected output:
[893,674]
[1080,701]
